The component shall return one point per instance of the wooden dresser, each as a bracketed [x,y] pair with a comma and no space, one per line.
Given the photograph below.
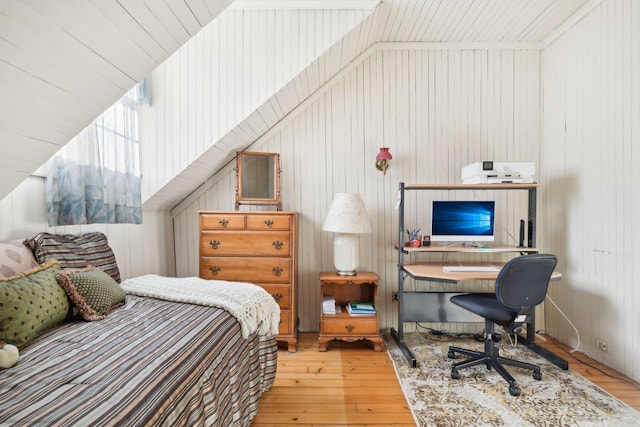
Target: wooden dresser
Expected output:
[256,247]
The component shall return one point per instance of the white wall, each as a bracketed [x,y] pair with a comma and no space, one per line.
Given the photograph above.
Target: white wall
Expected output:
[204,95]
[437,109]
[139,249]
[590,156]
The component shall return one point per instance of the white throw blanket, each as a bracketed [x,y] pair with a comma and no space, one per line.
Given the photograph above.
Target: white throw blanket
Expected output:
[254,308]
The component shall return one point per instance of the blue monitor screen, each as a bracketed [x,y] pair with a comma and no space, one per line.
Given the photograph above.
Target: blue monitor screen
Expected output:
[462,221]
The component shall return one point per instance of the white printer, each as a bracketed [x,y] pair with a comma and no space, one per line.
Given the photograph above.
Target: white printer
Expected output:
[490,172]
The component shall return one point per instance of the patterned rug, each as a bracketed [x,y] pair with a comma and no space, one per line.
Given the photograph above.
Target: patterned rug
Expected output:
[481,397]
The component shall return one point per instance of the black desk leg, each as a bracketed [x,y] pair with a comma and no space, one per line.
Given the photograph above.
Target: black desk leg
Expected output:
[530,343]
[403,347]
[550,356]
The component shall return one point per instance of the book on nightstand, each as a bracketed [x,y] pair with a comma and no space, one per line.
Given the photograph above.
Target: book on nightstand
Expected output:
[361,309]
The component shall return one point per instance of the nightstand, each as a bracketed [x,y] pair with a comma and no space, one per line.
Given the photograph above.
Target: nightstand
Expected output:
[343,326]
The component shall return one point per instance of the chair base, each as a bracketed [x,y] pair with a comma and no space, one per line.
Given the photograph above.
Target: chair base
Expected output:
[491,358]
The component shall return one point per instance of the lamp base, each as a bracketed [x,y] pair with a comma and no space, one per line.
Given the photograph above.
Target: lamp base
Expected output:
[345,254]
[346,273]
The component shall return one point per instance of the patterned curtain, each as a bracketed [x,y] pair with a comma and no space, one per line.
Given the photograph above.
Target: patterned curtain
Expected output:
[95,178]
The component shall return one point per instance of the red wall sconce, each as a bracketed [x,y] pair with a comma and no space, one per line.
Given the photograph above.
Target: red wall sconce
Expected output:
[382,159]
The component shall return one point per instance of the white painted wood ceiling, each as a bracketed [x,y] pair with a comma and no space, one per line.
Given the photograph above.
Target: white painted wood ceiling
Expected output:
[474,21]
[63,62]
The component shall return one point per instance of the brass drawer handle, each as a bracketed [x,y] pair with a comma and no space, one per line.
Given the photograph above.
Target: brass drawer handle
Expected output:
[214,244]
[277,271]
[277,297]
[277,244]
[268,223]
[215,270]
[223,222]
[349,328]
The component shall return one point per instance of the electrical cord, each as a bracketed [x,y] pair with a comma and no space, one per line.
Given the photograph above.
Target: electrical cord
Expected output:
[576,349]
[570,353]
[570,323]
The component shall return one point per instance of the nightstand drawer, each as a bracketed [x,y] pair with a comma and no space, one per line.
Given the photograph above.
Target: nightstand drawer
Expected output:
[349,325]
[246,269]
[277,243]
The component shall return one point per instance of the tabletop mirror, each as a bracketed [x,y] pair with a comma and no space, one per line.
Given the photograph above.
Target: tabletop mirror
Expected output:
[258,179]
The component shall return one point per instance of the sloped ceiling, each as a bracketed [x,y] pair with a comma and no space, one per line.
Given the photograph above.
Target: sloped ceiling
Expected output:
[63,62]
[474,21]
[462,22]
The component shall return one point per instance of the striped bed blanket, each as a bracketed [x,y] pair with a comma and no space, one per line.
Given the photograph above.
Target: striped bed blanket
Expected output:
[151,362]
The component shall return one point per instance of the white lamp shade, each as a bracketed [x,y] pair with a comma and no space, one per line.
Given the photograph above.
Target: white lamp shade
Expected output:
[347,214]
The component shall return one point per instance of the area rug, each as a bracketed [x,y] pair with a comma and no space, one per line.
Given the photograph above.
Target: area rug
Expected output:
[481,397]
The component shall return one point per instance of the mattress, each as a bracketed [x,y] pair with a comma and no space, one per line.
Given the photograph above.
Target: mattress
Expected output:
[151,362]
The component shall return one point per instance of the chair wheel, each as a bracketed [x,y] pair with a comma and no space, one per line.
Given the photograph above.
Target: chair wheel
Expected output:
[455,374]
[537,375]
[488,365]
[451,354]
[514,390]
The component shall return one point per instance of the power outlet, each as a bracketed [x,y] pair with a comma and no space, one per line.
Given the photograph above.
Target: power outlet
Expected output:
[602,344]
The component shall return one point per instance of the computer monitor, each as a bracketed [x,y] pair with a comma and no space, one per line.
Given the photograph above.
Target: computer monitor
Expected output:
[462,221]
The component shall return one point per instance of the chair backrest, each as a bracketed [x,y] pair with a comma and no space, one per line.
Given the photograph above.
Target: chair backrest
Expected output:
[523,281]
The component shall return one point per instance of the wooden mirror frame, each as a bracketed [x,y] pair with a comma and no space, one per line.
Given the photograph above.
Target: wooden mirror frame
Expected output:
[265,177]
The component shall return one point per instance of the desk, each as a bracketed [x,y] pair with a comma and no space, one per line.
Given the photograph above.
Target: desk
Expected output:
[434,306]
[433,272]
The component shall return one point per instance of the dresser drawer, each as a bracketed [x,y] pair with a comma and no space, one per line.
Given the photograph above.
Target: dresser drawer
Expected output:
[286,321]
[349,325]
[281,293]
[240,243]
[268,222]
[222,221]
[246,269]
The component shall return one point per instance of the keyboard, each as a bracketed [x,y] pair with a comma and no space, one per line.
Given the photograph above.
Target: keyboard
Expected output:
[469,268]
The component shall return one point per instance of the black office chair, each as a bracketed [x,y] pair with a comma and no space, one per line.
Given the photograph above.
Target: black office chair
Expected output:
[520,286]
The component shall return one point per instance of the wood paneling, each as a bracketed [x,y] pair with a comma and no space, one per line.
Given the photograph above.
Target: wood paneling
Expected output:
[473,20]
[139,249]
[228,86]
[64,64]
[437,110]
[591,148]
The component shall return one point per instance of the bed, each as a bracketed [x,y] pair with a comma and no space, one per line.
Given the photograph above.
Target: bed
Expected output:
[176,352]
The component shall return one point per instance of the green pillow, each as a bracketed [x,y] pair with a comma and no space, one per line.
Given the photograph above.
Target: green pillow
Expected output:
[93,291]
[30,303]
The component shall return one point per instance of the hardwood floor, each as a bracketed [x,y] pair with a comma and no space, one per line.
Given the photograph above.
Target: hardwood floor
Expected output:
[348,385]
[612,381]
[351,385]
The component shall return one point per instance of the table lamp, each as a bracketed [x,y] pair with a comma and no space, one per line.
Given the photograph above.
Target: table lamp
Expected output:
[348,217]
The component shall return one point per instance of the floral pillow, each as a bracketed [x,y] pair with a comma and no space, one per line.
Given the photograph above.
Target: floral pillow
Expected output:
[15,258]
[94,293]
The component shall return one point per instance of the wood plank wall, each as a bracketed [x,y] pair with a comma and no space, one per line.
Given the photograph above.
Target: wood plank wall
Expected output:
[139,249]
[215,81]
[436,108]
[590,156]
